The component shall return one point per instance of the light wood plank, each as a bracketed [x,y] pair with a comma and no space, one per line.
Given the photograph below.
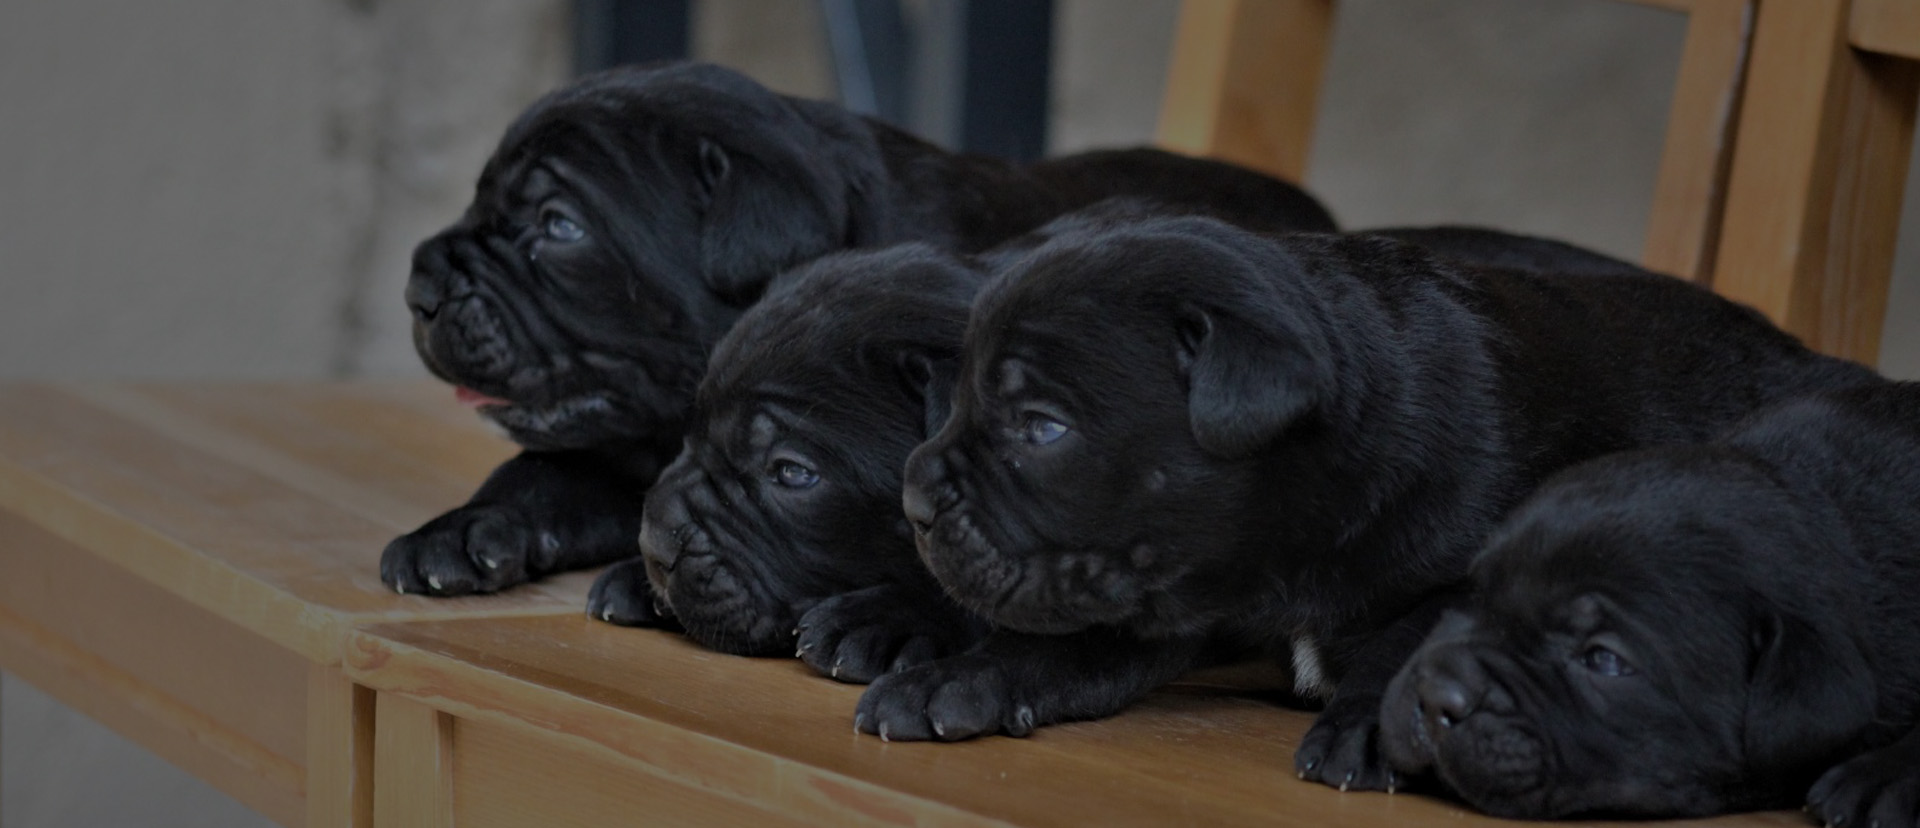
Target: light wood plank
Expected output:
[1244,80]
[177,732]
[413,765]
[1690,192]
[1814,195]
[1889,27]
[240,541]
[514,776]
[173,649]
[767,733]
[340,737]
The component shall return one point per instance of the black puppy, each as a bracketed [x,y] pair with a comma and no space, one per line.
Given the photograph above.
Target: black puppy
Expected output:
[787,491]
[622,225]
[1690,630]
[781,515]
[1172,432]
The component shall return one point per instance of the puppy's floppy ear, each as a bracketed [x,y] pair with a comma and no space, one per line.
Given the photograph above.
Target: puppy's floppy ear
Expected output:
[1809,695]
[1251,372]
[930,378]
[754,222]
[714,168]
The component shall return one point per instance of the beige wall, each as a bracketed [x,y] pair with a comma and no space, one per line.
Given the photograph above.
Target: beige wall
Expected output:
[230,188]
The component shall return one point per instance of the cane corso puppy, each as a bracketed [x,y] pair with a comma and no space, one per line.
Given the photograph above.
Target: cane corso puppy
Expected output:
[787,492]
[1685,631]
[1169,432]
[781,516]
[619,229]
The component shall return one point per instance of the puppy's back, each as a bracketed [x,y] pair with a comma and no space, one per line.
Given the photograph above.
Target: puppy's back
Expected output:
[1641,359]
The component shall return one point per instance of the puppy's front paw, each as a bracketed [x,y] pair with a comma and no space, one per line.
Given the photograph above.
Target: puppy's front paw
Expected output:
[475,548]
[1881,788]
[1342,749]
[859,636]
[622,595]
[948,700]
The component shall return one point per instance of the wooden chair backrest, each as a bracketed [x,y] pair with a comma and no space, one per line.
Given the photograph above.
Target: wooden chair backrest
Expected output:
[1784,159]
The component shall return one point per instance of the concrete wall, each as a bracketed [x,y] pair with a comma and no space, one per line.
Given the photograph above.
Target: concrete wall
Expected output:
[230,188]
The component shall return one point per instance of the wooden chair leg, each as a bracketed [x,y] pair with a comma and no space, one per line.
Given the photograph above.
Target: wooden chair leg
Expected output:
[1244,79]
[1813,201]
[1690,194]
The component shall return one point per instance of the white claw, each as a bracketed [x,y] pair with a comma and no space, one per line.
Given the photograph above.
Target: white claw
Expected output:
[835,673]
[400,588]
[433,582]
[607,613]
[883,738]
[939,729]
[491,563]
[1343,787]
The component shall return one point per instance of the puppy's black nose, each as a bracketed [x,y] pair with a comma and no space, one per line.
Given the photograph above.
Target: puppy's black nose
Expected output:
[423,298]
[919,508]
[924,469]
[658,545]
[1451,688]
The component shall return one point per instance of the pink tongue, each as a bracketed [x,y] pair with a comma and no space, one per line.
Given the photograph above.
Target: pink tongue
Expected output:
[474,399]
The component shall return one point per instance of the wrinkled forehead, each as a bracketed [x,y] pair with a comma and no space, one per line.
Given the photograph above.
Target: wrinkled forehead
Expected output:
[1633,582]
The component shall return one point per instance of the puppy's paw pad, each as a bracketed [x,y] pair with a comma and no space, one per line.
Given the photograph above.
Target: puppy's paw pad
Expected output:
[622,595]
[948,700]
[1343,751]
[860,636]
[1879,788]
[470,549]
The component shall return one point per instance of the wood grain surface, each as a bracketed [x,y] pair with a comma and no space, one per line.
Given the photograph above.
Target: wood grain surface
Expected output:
[583,704]
[267,505]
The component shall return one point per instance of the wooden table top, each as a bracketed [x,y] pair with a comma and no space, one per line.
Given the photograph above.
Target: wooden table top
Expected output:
[1210,750]
[267,504]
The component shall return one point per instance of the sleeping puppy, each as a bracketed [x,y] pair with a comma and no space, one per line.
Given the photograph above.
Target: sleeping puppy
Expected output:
[1691,630]
[1170,432]
[786,493]
[622,225]
[781,517]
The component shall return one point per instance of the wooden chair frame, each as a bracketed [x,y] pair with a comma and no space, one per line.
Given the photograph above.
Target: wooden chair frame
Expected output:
[1785,156]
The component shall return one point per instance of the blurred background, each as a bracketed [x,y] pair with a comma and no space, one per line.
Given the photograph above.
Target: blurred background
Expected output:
[231,188]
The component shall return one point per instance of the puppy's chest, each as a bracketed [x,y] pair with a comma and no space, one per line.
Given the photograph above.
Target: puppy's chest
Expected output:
[1311,655]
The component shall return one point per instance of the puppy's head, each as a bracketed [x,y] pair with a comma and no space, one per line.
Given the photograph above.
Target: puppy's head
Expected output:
[619,228]
[788,488]
[1120,394]
[1654,634]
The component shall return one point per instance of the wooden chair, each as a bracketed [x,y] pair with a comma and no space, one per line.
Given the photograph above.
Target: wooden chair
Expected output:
[1785,153]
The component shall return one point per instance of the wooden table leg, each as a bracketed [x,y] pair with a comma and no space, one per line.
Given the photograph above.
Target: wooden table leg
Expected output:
[340,736]
[412,765]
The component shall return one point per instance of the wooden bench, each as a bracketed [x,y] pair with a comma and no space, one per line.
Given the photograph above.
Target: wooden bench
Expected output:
[184,564]
[195,566]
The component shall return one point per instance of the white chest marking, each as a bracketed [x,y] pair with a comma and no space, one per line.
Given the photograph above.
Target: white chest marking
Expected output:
[1309,677]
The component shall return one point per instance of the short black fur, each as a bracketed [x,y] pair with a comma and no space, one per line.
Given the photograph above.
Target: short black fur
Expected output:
[1173,432]
[786,493]
[1686,631]
[834,377]
[622,225]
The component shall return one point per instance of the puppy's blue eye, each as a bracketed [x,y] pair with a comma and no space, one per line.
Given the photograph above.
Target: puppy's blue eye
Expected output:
[1041,430]
[560,228]
[795,476]
[1605,662]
